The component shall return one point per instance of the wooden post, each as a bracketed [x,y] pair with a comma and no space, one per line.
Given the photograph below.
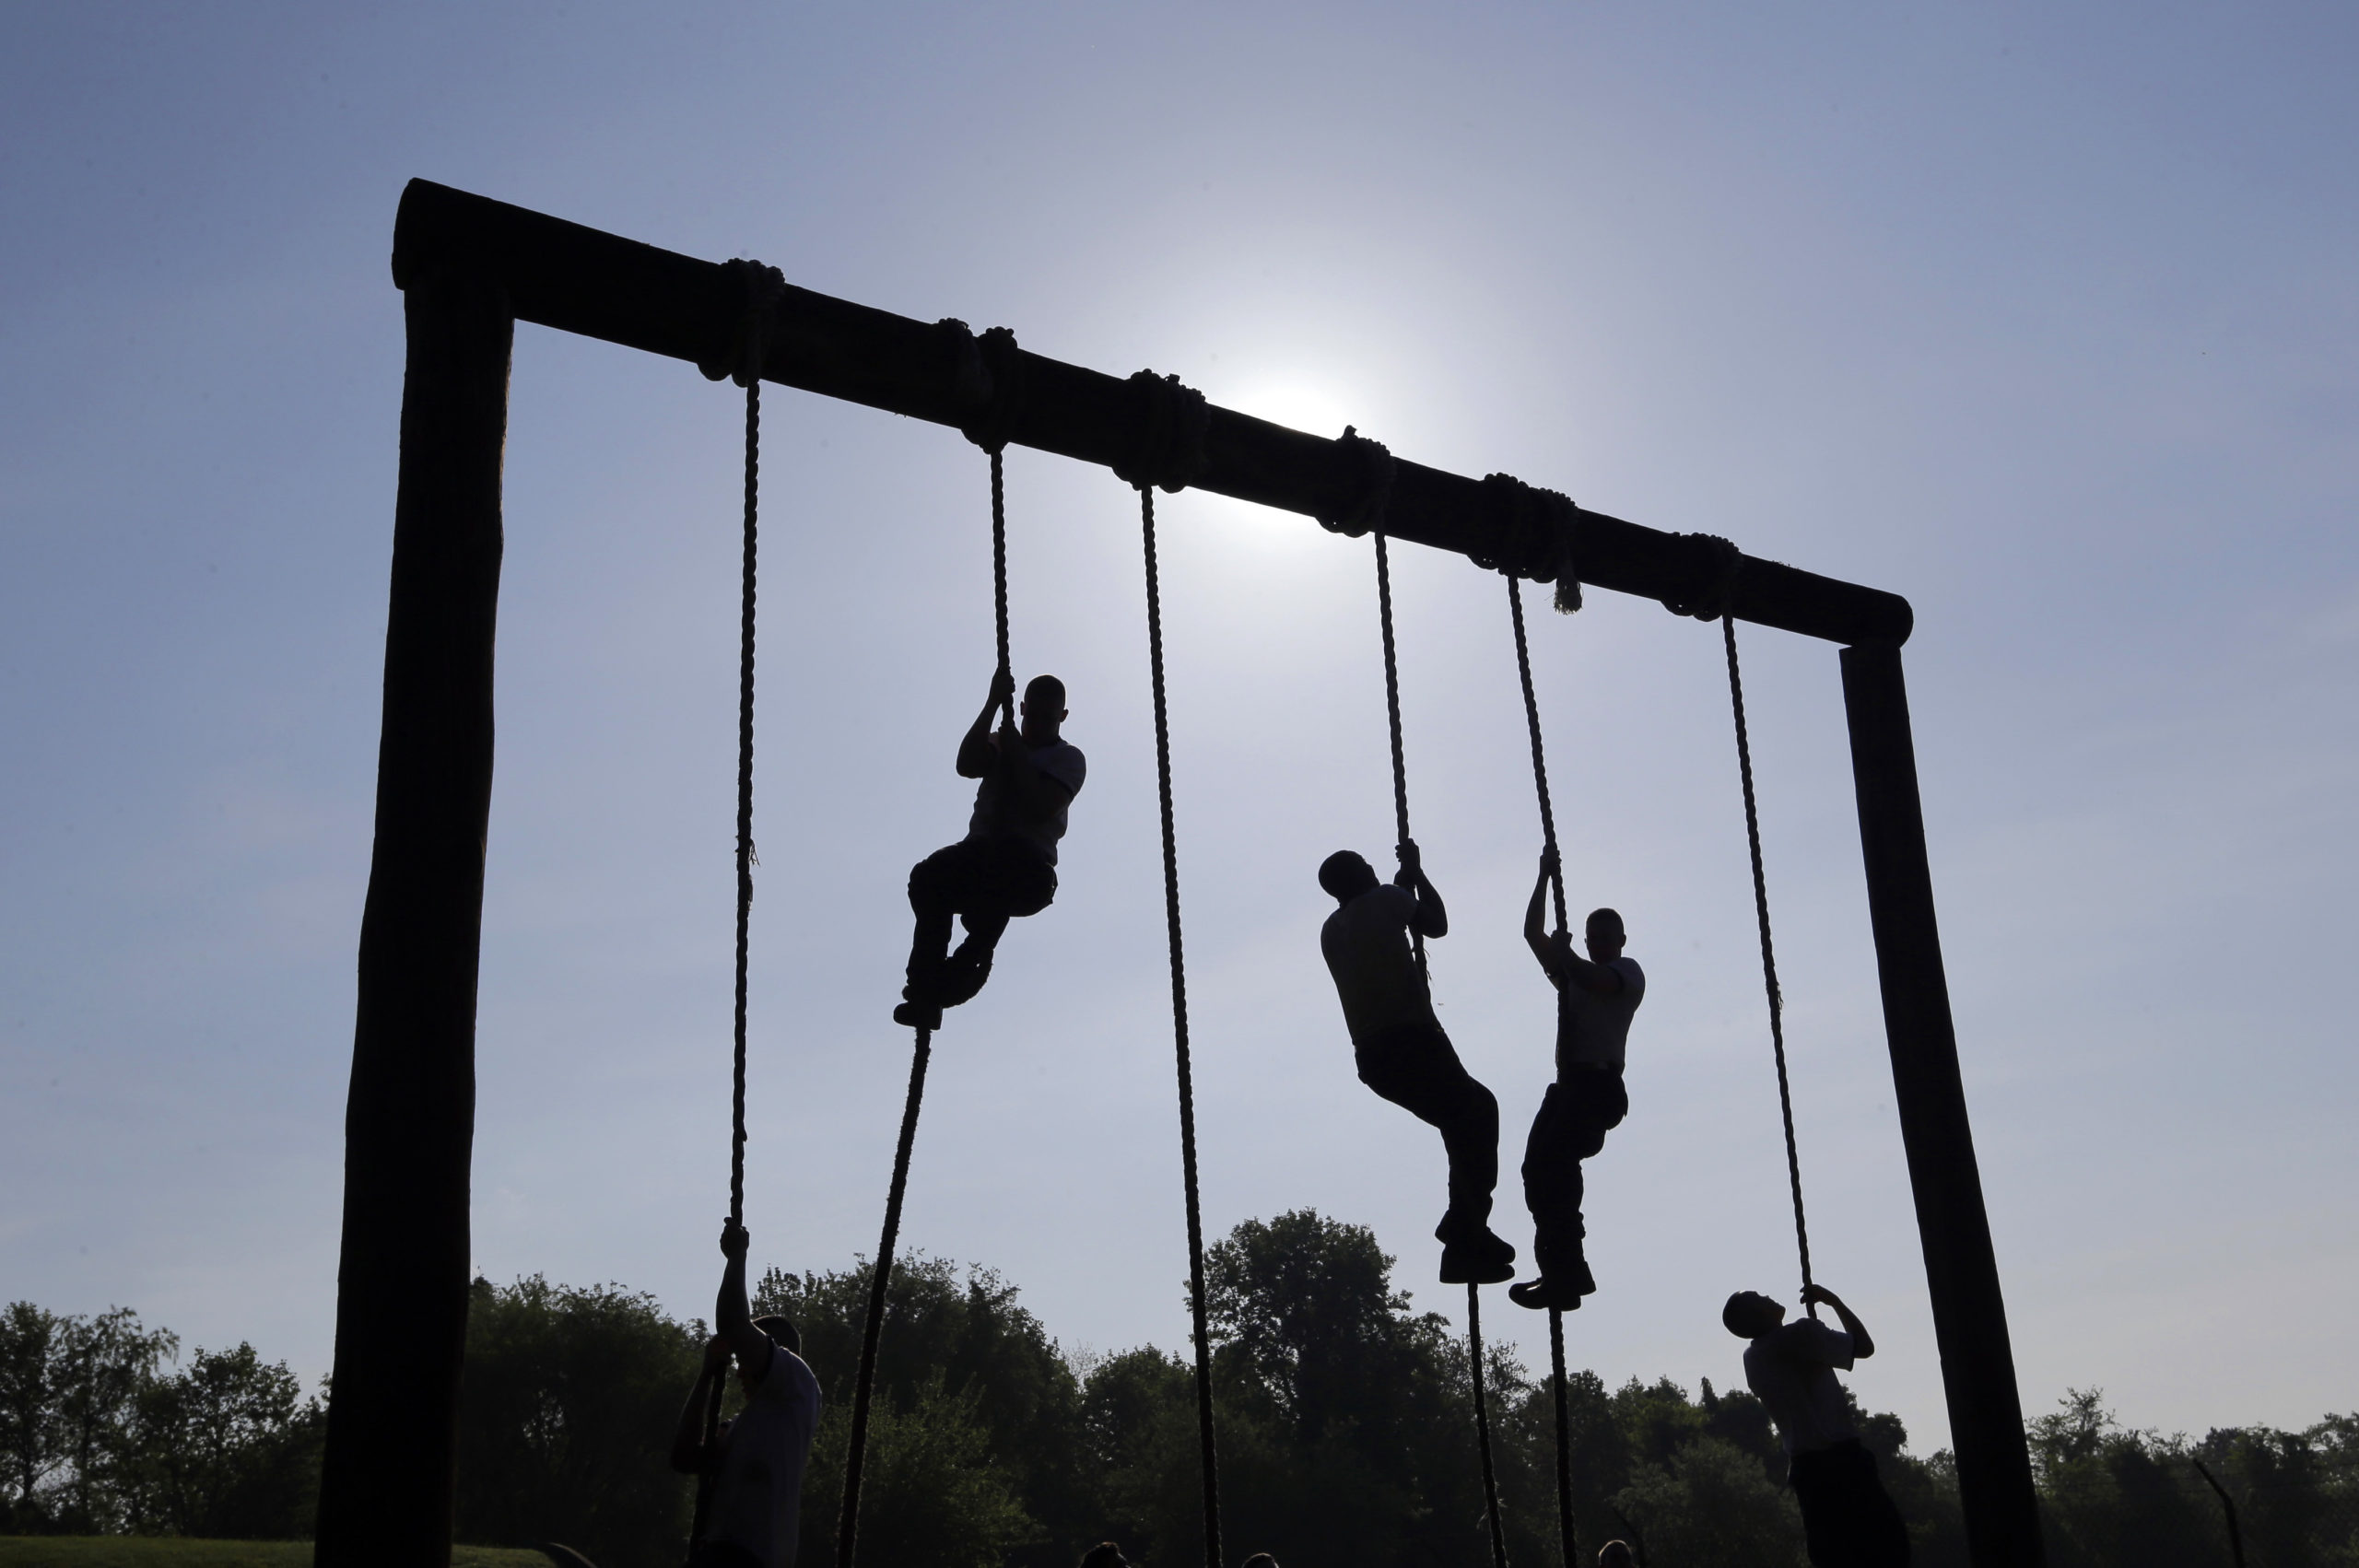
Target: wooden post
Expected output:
[1961,1271]
[386,1488]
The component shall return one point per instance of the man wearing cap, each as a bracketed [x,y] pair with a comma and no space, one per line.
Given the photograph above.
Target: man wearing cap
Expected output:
[755,1461]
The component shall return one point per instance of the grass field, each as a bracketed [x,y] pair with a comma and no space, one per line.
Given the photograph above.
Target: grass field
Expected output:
[161,1551]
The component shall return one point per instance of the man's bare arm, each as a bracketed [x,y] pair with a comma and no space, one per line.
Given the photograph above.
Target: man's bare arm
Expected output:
[688,1456]
[1535,915]
[1862,1347]
[731,1314]
[976,753]
[1431,919]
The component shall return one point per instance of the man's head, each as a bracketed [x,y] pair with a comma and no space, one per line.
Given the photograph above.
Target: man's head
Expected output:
[1043,710]
[1749,1315]
[1345,876]
[1260,1560]
[1603,935]
[1105,1555]
[781,1332]
[1614,1554]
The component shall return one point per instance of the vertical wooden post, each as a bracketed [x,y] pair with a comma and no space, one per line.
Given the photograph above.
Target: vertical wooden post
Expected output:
[1961,1273]
[386,1490]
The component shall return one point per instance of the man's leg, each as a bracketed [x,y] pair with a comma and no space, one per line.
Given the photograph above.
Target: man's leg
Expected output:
[940,886]
[1574,1118]
[1015,880]
[1848,1520]
[1418,1070]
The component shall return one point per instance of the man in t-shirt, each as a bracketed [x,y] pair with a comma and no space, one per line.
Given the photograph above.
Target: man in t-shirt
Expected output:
[1848,1519]
[1402,1051]
[1006,866]
[754,1508]
[1596,998]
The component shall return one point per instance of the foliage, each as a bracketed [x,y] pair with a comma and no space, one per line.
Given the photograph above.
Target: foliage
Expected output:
[566,1414]
[155,1551]
[1345,1426]
[958,1352]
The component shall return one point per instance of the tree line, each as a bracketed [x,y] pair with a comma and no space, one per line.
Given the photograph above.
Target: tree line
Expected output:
[1346,1424]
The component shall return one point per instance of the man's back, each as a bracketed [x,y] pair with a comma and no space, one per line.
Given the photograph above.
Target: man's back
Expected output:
[1793,1369]
[757,1497]
[1366,946]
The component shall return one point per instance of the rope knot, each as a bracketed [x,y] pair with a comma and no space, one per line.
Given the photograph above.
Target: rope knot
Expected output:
[990,378]
[1171,422]
[1536,535]
[758,288]
[1710,569]
[1367,482]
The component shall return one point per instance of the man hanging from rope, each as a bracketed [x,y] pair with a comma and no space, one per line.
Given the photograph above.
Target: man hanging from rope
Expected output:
[1848,1520]
[1402,1051]
[1596,998]
[1006,866]
[758,1460]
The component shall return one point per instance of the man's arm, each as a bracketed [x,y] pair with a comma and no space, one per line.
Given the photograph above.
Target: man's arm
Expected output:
[1862,1347]
[976,753]
[1536,916]
[731,1314]
[688,1456]
[1431,919]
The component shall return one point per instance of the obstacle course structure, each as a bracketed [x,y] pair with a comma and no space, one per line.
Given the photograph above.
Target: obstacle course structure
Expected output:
[470,269]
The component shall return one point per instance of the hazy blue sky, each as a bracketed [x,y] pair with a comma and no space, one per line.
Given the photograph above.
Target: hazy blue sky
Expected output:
[2044,316]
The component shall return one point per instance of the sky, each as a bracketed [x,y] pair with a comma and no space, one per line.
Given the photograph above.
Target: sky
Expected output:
[2042,316]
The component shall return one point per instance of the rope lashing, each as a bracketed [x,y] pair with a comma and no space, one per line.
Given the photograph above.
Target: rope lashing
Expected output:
[1769,952]
[762,289]
[1712,566]
[1401,824]
[1482,1426]
[1535,535]
[1170,449]
[1366,486]
[1207,1453]
[864,1388]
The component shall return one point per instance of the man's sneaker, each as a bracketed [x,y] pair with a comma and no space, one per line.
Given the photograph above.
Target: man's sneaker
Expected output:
[962,974]
[1484,1259]
[918,1015]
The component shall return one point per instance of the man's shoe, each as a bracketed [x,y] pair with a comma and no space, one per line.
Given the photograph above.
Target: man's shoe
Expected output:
[1484,1259]
[1562,1290]
[918,1015]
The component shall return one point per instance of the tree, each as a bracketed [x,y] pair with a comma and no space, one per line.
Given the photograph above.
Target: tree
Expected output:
[1711,1503]
[32,1440]
[956,1348]
[933,1495]
[228,1449]
[565,1411]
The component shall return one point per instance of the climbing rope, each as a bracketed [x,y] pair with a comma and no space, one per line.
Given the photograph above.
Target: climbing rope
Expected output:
[1170,453]
[1557,879]
[994,358]
[741,362]
[1400,822]
[863,1389]
[1768,954]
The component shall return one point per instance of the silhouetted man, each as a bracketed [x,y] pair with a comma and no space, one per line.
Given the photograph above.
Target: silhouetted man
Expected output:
[1006,866]
[1596,998]
[757,1459]
[1402,1051]
[1848,1519]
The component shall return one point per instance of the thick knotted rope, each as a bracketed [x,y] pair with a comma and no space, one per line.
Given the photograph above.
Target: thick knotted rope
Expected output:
[1535,535]
[1207,1453]
[1400,824]
[741,362]
[873,1330]
[1768,951]
[1712,564]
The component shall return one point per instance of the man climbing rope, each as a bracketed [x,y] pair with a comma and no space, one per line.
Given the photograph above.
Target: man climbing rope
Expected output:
[1006,866]
[1402,1051]
[1596,998]
[757,1460]
[1848,1521]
